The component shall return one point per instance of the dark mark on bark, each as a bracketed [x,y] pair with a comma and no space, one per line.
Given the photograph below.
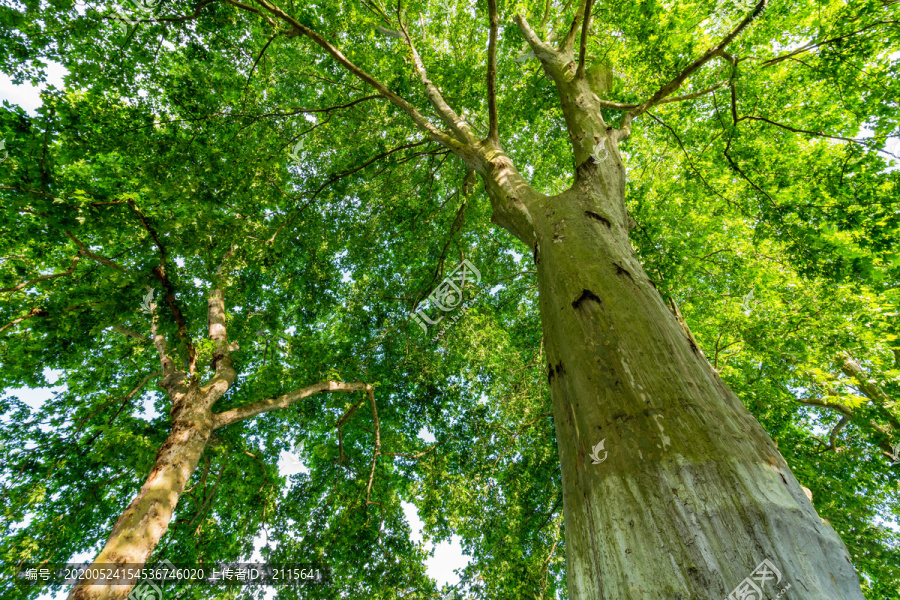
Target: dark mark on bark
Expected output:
[536,259]
[556,371]
[597,217]
[585,295]
[783,479]
[621,271]
[693,346]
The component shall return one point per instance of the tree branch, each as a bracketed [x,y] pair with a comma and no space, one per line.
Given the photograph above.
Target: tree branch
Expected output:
[494,20]
[96,257]
[254,408]
[160,272]
[335,178]
[65,273]
[834,432]
[377,450]
[129,333]
[448,115]
[568,42]
[815,133]
[159,342]
[542,51]
[814,45]
[401,103]
[870,388]
[675,83]
[221,361]
[585,28]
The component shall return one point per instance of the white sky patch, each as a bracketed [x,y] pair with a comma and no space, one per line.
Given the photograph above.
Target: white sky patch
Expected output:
[290,464]
[29,96]
[426,436]
[447,556]
[35,397]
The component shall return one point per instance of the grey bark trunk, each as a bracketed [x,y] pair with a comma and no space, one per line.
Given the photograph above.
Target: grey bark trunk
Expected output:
[139,529]
[689,494]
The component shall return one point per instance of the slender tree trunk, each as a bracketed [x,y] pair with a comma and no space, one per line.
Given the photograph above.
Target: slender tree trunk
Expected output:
[689,494]
[139,529]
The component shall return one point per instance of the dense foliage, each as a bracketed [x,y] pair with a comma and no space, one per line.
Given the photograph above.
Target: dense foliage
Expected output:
[766,211]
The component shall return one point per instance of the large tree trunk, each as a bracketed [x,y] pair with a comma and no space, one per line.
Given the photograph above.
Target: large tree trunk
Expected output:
[139,529]
[692,494]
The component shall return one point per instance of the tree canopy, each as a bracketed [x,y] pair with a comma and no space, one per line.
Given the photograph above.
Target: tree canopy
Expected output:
[224,142]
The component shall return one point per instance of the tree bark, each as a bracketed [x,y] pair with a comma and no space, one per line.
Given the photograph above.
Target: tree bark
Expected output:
[689,494]
[139,529]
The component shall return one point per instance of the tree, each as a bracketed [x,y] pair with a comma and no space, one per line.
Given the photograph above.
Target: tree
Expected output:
[622,367]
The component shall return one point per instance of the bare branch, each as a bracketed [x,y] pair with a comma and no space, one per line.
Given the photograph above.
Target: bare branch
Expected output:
[814,45]
[258,58]
[124,399]
[815,133]
[585,28]
[675,83]
[448,115]
[34,312]
[31,282]
[869,387]
[96,257]
[221,361]
[188,17]
[492,71]
[254,408]
[568,42]
[377,450]
[335,178]
[402,104]
[340,423]
[541,50]
[159,341]
[834,432]
[691,96]
[160,272]
[129,333]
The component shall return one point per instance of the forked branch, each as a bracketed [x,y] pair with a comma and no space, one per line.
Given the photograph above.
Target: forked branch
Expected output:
[585,29]
[675,83]
[399,102]
[160,272]
[568,42]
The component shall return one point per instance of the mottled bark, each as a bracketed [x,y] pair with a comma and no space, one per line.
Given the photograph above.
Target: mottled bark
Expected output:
[139,529]
[690,493]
